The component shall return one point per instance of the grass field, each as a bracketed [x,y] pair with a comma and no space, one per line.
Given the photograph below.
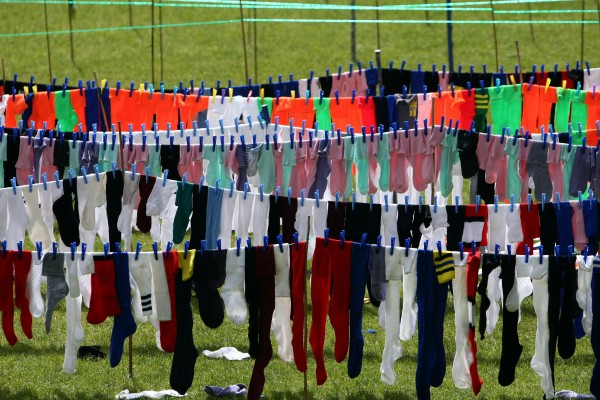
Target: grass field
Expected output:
[32,369]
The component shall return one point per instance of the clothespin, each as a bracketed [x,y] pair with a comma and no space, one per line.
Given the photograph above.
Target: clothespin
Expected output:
[54,249]
[20,248]
[289,195]
[378,244]
[138,248]
[512,202]
[238,244]
[439,247]
[420,202]
[38,247]
[363,240]
[295,239]
[337,199]
[406,203]
[30,179]
[570,250]
[473,247]
[461,249]
[371,202]
[580,199]
[73,248]
[326,236]
[406,246]
[342,238]
[353,200]
[585,252]
[164,181]
[277,189]
[392,243]
[435,204]
[512,80]
[425,245]
[265,243]
[477,201]
[558,200]
[385,199]
[248,242]
[186,248]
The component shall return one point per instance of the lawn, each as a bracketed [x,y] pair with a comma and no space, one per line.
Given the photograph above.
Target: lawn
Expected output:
[32,369]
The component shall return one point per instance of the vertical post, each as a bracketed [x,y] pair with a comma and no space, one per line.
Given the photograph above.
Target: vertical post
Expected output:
[530,23]
[582,28]
[306,309]
[519,62]
[377,18]
[160,42]
[353,31]
[152,41]
[495,36]
[244,40]
[449,35]
[378,63]
[48,41]
[130,14]
[71,11]
[255,27]
[3,74]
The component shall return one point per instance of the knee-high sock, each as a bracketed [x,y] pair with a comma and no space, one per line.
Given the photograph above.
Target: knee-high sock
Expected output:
[281,325]
[339,305]
[473,264]
[103,299]
[168,328]
[569,308]
[488,265]
[408,319]
[319,292]
[462,357]
[185,355]
[252,293]
[298,290]
[358,281]
[124,324]
[22,265]
[74,334]
[595,381]
[6,298]
[209,276]
[540,363]
[511,348]
[265,271]
[392,350]
[233,287]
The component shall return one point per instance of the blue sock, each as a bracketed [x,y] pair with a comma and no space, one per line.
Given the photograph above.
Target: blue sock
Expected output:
[124,324]
[358,280]
[595,339]
[431,301]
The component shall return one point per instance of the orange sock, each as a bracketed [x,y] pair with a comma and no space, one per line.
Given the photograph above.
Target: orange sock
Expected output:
[15,106]
[43,110]
[303,111]
[167,110]
[190,108]
[344,112]
[281,108]
[547,97]
[78,103]
[531,105]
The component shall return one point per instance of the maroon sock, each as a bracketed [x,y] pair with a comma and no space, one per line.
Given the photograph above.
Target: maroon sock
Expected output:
[6,298]
[103,299]
[472,277]
[339,306]
[144,222]
[168,329]
[298,290]
[22,265]
[320,286]
[265,272]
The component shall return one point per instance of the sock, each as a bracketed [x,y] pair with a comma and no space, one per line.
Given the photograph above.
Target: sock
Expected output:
[554,288]
[143,221]
[57,286]
[488,265]
[129,200]
[511,348]
[168,328]
[72,271]
[159,197]
[280,325]
[90,195]
[22,265]
[103,300]
[74,334]
[184,358]
[358,280]
[392,349]
[408,317]
[569,308]
[161,302]
[124,324]
[228,206]
[298,290]
[209,276]
[265,272]
[6,298]
[439,312]
[377,274]
[595,339]
[473,264]
[198,219]
[114,194]
[213,218]
[34,283]
[232,291]
[444,266]
[252,291]
[142,275]
[339,305]
[183,201]
[65,216]
[186,263]
[540,363]
[319,292]
[460,366]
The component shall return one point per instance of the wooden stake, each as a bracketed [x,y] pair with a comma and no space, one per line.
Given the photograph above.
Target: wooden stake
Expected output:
[3,74]
[530,23]
[306,309]
[70,9]
[130,14]
[152,42]
[160,43]
[582,28]
[377,18]
[244,40]
[48,41]
[256,45]
[100,101]
[519,62]
[495,35]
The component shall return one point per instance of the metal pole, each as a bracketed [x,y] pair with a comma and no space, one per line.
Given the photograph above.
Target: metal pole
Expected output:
[244,41]
[48,41]
[353,32]
[449,35]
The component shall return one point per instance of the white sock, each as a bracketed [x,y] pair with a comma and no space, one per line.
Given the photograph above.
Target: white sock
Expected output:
[463,357]
[227,205]
[36,229]
[86,269]
[89,196]
[392,350]
[540,363]
[280,323]
[130,195]
[319,223]
[47,199]
[408,320]
[389,223]
[514,231]
[162,305]
[155,229]
[159,197]
[102,224]
[33,289]
[260,221]
[72,272]
[494,294]
[136,300]
[141,271]
[584,292]
[3,216]
[232,291]
[75,334]
[241,225]
[166,226]
[497,226]
[18,219]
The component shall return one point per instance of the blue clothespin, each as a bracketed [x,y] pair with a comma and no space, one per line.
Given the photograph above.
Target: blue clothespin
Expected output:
[118,246]
[439,247]
[425,245]
[363,239]
[527,254]
[337,199]
[496,250]
[265,243]
[406,203]
[420,203]
[461,249]
[353,200]
[385,199]
[186,248]
[38,246]
[295,239]
[406,246]
[20,248]
[169,247]
[238,245]
[541,251]
[370,202]
[165,173]
[392,243]
[262,189]
[342,238]
[477,202]
[473,247]
[512,203]
[289,195]
[496,204]
[585,252]
[378,244]
[73,248]
[138,248]
[13,181]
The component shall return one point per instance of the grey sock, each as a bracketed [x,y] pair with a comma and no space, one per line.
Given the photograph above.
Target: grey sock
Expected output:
[53,268]
[229,391]
[537,167]
[253,154]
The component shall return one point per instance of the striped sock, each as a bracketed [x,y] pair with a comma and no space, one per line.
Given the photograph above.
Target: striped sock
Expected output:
[444,266]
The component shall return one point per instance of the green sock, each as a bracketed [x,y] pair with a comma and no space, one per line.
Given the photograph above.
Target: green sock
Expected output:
[482,100]
[562,110]
[348,156]
[64,112]
[266,168]
[448,158]
[498,110]
[323,114]
[154,160]
[383,159]
[107,156]
[268,101]
[183,201]
[362,165]
[289,160]
[513,180]
[513,106]
[579,114]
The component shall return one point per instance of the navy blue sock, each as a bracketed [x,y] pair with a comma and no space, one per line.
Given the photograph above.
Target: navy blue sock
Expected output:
[569,307]
[359,273]
[511,348]
[595,339]
[431,301]
[124,324]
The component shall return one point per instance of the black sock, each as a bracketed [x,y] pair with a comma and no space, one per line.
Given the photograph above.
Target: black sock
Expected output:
[554,287]
[288,220]
[274,227]
[252,298]
[511,348]
[184,358]
[595,337]
[65,216]
[569,307]
[114,194]
[144,222]
[209,276]
[198,218]
[488,265]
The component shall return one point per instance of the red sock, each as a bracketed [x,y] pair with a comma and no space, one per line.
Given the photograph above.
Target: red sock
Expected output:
[6,298]
[472,276]
[22,266]
[320,287]
[298,289]
[168,329]
[530,224]
[265,272]
[339,306]
[103,299]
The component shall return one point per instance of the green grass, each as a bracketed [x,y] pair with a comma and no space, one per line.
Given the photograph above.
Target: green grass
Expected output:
[32,369]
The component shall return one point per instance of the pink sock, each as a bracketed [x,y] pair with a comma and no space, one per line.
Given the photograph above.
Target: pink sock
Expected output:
[320,288]
[555,170]
[337,177]
[311,165]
